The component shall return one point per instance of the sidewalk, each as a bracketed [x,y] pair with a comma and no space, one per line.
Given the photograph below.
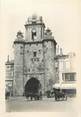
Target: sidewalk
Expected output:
[23,98]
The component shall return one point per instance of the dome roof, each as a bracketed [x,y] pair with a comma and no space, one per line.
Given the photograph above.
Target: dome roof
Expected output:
[19,37]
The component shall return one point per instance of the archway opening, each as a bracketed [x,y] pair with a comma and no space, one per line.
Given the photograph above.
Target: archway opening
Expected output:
[32,86]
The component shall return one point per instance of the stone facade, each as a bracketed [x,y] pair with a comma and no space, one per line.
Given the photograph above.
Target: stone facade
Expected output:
[34,56]
[65,64]
[9,75]
[66,73]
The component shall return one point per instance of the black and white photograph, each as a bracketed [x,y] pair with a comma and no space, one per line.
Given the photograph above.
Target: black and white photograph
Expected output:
[40,56]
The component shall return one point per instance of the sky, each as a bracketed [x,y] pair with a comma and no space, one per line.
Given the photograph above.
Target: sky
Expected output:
[61,16]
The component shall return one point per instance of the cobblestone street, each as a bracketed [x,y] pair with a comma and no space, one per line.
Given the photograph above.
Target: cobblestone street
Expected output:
[20,104]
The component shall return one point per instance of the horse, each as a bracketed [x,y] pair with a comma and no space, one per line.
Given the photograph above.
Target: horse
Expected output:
[60,95]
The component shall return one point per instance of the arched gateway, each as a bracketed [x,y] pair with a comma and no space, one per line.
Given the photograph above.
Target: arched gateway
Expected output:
[33,88]
[33,57]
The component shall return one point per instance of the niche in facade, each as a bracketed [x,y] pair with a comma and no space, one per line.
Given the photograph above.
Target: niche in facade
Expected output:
[34,35]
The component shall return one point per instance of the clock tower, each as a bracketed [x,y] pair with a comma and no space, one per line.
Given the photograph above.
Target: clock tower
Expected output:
[34,29]
[34,57]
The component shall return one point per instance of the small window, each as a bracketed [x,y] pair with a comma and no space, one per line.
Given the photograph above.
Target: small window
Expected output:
[34,54]
[33,34]
[39,51]
[68,76]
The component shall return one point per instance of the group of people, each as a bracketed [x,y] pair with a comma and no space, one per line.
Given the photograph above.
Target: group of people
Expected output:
[57,93]
[7,94]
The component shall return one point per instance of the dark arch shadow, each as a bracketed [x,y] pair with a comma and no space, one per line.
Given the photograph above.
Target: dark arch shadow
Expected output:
[32,88]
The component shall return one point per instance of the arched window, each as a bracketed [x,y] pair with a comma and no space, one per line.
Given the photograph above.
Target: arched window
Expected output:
[34,54]
[33,34]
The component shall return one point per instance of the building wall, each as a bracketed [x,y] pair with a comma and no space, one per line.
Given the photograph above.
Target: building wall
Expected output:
[9,71]
[28,65]
[49,62]
[34,66]
[9,77]
[39,32]
[18,69]
[34,58]
[34,63]
[66,74]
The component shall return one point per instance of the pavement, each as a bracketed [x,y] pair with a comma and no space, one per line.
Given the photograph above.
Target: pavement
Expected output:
[21,104]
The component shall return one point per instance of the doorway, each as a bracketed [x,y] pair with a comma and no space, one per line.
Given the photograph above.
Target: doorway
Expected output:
[32,87]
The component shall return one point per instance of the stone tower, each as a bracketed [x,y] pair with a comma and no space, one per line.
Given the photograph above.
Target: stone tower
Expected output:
[49,45]
[18,64]
[34,29]
[34,56]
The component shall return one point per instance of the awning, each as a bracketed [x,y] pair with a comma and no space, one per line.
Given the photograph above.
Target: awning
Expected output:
[56,85]
[65,86]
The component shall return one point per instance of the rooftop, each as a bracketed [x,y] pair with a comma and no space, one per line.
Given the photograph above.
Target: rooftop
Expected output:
[34,19]
[9,62]
[61,56]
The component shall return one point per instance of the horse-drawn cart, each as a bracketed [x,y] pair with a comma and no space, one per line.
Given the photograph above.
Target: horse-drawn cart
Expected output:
[33,95]
[59,95]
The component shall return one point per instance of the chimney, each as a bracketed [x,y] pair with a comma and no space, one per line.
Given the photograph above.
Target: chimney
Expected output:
[61,53]
[57,50]
[8,58]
